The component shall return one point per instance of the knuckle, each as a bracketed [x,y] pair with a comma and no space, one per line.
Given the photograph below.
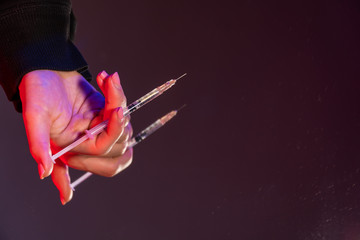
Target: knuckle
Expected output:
[123,148]
[101,151]
[110,173]
[129,158]
[113,169]
[125,135]
[119,165]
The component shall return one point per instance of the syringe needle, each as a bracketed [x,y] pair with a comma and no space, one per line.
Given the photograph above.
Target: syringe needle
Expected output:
[181,76]
[181,107]
[130,109]
[135,140]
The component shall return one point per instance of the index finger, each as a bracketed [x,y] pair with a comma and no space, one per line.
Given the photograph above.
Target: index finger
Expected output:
[114,94]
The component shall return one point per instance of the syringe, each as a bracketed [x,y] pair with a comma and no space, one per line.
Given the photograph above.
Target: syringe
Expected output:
[130,109]
[135,140]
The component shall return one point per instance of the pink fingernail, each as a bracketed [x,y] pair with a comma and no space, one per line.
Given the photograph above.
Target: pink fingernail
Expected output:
[41,171]
[103,74]
[116,80]
[62,201]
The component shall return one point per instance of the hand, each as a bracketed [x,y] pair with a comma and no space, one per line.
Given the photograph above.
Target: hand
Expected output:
[58,107]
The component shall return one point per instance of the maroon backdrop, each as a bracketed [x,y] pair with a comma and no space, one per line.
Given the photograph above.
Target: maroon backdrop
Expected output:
[267,147]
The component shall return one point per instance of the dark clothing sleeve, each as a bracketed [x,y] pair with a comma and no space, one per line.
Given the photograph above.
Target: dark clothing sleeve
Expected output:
[36,34]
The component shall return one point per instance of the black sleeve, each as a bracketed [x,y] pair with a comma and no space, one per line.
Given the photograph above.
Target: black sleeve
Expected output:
[36,35]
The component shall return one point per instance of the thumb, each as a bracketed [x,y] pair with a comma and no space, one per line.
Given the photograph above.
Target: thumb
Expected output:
[37,125]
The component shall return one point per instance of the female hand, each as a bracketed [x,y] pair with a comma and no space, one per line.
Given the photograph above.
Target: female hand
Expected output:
[58,107]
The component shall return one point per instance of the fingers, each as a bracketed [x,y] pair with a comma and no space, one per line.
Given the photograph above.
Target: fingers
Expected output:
[105,166]
[102,143]
[106,139]
[121,145]
[126,135]
[37,125]
[114,95]
[114,98]
[100,80]
[61,179]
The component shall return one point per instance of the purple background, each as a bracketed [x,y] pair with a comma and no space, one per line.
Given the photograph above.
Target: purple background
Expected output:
[267,147]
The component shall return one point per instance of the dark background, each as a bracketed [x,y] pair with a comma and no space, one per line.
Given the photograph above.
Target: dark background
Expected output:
[267,147]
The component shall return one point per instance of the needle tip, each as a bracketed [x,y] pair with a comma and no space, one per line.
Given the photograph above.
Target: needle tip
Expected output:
[181,76]
[181,107]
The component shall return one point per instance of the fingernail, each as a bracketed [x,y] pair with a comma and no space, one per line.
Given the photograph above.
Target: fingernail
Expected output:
[41,171]
[62,201]
[116,80]
[103,74]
